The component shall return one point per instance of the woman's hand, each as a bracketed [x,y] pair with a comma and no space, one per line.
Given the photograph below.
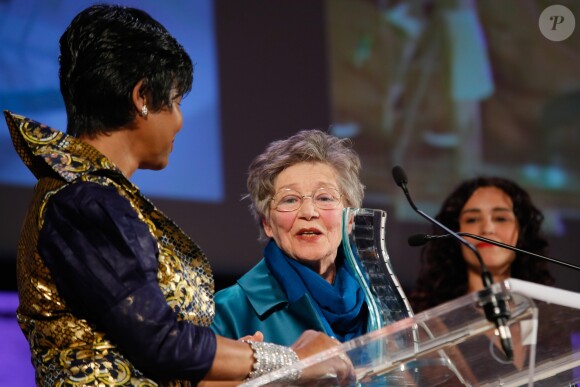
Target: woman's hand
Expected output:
[258,336]
[337,369]
[234,360]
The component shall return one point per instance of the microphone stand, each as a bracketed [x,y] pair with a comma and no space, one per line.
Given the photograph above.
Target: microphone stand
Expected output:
[496,310]
[513,248]
[421,239]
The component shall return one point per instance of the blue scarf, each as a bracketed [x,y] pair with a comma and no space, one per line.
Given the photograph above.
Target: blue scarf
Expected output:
[340,305]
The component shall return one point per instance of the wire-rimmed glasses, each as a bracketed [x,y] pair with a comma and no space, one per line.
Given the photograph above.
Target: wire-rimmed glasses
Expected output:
[288,200]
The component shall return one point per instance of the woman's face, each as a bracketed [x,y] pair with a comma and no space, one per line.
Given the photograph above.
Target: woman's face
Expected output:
[157,134]
[489,213]
[309,234]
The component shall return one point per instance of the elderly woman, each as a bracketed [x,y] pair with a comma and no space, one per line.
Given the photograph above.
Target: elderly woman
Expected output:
[298,188]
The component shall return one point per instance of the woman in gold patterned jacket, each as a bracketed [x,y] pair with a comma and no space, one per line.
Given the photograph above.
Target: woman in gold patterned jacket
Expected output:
[111,291]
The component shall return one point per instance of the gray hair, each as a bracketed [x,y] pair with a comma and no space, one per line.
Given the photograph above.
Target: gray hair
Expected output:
[305,146]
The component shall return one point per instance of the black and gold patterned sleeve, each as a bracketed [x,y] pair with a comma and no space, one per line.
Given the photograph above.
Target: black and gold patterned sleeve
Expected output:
[103,259]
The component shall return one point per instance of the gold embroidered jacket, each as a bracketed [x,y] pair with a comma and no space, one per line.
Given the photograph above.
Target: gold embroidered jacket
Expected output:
[67,350]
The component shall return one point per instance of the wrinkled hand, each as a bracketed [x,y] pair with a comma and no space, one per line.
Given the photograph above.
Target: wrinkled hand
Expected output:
[336,370]
[258,336]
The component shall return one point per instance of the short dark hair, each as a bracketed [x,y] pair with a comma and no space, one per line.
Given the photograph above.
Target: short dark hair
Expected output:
[443,273]
[104,53]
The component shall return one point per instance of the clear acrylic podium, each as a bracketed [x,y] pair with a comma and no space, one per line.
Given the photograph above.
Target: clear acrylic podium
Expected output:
[456,346]
[450,345]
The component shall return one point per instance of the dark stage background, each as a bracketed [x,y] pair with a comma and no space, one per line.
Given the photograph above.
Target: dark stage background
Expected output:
[281,68]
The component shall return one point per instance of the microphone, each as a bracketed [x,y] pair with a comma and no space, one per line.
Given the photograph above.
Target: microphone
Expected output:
[401,180]
[496,309]
[421,239]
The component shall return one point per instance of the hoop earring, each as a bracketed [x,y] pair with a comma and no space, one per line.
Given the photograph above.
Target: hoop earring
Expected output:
[144,111]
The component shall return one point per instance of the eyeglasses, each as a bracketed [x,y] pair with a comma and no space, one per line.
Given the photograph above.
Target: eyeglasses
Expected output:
[288,200]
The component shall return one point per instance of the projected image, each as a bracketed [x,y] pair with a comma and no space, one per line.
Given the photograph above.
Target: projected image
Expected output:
[29,34]
[449,90]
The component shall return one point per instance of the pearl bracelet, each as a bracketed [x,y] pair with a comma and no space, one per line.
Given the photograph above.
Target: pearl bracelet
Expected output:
[269,357]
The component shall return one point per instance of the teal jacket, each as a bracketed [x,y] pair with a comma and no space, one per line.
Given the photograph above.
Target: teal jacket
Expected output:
[258,303]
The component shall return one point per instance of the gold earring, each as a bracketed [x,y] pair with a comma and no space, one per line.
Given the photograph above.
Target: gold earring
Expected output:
[144,111]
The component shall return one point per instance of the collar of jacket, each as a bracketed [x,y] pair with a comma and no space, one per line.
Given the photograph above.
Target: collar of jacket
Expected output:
[262,289]
[265,295]
[47,151]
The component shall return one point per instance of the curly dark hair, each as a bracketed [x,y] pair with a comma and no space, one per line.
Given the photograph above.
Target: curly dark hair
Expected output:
[104,53]
[443,273]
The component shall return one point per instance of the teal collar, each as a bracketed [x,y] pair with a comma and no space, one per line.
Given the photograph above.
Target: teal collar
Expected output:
[262,290]
[266,295]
